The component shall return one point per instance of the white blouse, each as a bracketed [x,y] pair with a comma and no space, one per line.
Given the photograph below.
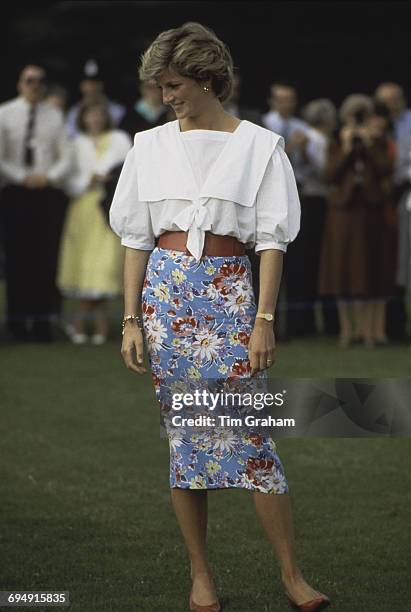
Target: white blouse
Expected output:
[87,162]
[271,220]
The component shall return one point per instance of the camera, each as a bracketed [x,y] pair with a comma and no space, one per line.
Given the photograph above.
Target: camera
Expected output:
[359,118]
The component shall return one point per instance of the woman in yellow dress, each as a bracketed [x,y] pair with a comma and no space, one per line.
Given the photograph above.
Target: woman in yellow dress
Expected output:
[91,255]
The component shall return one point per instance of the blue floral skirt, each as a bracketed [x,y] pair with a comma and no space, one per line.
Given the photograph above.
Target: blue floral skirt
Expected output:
[198,317]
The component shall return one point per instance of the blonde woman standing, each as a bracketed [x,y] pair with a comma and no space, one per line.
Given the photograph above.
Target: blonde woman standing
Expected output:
[90,254]
[192,195]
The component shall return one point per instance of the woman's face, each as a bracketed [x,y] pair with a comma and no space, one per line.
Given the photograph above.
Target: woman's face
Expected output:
[186,97]
[95,120]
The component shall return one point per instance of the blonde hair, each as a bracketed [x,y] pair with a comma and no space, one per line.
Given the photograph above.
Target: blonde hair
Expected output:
[320,111]
[355,103]
[193,51]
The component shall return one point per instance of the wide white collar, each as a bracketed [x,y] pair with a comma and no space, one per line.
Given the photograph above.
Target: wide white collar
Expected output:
[164,169]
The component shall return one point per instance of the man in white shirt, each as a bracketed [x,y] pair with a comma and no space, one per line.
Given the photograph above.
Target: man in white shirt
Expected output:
[34,161]
[280,119]
[393,97]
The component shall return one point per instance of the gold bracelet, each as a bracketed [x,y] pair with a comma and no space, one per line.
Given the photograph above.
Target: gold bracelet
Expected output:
[136,318]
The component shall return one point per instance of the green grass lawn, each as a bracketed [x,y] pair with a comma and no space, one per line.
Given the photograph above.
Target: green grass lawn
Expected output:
[85,504]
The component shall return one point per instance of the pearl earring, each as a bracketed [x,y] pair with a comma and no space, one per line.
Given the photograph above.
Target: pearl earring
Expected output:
[206,88]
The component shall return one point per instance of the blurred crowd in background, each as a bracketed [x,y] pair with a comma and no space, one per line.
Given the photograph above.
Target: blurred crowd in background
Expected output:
[347,274]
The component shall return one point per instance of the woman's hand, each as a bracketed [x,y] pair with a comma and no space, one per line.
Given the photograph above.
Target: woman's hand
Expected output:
[347,134]
[97,180]
[36,181]
[298,140]
[132,348]
[369,135]
[261,347]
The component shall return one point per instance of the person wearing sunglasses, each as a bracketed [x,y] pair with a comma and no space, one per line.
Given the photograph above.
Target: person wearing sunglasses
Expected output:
[35,160]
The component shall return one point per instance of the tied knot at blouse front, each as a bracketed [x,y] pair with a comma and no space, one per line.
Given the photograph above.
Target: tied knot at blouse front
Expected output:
[146,203]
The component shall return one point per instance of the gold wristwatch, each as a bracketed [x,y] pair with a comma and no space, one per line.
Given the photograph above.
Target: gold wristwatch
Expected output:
[265,315]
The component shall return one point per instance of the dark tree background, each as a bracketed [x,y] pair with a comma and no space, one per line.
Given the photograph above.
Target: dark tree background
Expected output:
[327,48]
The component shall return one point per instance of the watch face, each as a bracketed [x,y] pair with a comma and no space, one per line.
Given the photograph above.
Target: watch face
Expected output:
[267,316]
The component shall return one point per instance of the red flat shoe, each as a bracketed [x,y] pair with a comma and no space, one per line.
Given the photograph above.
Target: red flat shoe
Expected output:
[318,603]
[214,607]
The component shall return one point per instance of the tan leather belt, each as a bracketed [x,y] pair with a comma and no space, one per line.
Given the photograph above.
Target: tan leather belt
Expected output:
[214,245]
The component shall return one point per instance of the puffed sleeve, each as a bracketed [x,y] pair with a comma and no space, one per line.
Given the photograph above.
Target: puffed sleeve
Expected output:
[278,209]
[130,218]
